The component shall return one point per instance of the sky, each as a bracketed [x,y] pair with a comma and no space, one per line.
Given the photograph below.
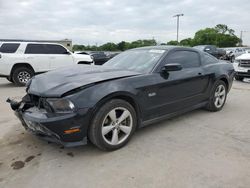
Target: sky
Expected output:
[100,21]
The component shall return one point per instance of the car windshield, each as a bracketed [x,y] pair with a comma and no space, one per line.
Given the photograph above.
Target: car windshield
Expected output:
[136,60]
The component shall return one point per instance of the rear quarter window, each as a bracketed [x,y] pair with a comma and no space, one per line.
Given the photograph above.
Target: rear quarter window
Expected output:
[55,49]
[209,59]
[9,47]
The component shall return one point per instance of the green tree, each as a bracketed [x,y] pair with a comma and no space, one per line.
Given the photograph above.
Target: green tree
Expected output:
[172,42]
[186,42]
[109,47]
[122,46]
[221,36]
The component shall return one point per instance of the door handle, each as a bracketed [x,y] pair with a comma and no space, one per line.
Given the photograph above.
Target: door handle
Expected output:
[199,73]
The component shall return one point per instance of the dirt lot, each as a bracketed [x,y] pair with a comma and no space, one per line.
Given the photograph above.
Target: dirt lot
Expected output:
[198,149]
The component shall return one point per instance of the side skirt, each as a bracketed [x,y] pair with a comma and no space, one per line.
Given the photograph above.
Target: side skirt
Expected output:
[167,116]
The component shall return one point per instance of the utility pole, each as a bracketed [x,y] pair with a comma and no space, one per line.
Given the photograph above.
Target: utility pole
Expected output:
[241,37]
[178,22]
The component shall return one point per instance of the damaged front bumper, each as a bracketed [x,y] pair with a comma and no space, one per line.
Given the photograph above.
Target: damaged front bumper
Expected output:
[52,127]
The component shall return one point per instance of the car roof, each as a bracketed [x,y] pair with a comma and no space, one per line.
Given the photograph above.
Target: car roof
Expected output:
[21,42]
[165,47]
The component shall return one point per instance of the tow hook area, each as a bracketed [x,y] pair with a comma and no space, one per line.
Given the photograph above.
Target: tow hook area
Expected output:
[13,104]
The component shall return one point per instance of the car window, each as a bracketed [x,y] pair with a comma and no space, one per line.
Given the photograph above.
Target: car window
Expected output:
[187,59]
[9,47]
[207,49]
[209,59]
[55,49]
[140,60]
[35,49]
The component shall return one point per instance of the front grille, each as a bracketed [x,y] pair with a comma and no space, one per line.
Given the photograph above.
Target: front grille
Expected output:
[244,63]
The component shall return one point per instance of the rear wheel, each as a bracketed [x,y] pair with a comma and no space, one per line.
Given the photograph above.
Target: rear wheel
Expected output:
[218,97]
[22,75]
[239,78]
[113,125]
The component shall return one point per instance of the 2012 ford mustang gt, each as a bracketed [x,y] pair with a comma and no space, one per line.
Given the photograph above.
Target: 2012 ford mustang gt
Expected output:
[106,104]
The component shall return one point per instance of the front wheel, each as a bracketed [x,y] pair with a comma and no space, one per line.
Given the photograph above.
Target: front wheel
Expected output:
[113,125]
[22,75]
[9,79]
[218,97]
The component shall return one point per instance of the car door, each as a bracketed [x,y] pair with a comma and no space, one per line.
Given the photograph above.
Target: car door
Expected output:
[59,56]
[36,55]
[177,90]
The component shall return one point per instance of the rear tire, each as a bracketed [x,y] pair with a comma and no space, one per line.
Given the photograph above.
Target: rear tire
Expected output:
[22,75]
[218,97]
[239,78]
[113,125]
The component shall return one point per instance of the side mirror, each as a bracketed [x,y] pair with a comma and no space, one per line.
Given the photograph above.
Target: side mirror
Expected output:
[172,67]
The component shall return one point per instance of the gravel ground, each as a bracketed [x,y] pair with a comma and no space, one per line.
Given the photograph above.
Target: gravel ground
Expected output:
[198,149]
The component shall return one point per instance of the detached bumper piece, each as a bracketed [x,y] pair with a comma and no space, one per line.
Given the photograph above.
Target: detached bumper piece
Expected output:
[62,129]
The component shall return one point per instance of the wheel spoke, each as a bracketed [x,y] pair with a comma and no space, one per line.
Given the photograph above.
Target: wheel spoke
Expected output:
[112,115]
[106,129]
[124,116]
[217,101]
[220,88]
[222,93]
[221,101]
[115,137]
[125,129]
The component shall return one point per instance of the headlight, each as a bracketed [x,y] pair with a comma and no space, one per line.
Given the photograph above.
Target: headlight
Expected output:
[61,105]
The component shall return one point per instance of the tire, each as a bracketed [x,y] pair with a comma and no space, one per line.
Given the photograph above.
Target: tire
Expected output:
[239,78]
[22,75]
[108,134]
[218,97]
[232,59]
[9,79]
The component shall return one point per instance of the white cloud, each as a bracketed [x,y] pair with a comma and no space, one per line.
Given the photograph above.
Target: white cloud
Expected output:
[100,21]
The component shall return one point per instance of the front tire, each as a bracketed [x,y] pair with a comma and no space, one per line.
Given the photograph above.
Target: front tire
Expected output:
[10,79]
[113,125]
[22,75]
[218,97]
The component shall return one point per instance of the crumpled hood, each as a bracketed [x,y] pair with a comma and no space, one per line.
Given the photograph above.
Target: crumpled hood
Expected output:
[56,83]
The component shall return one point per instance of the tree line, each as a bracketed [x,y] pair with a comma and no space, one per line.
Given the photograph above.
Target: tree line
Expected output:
[110,46]
[220,35]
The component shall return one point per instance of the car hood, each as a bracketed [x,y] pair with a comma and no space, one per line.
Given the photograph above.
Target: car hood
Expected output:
[245,56]
[58,82]
[82,56]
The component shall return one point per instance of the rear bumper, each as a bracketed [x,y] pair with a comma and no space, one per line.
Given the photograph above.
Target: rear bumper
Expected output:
[51,128]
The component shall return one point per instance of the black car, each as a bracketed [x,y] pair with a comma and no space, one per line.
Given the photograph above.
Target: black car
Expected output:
[106,104]
[213,50]
[99,58]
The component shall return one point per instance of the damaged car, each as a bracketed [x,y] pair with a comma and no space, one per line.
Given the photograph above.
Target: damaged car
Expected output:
[106,104]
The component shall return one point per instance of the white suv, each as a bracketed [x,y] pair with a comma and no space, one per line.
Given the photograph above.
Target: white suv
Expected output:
[19,61]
